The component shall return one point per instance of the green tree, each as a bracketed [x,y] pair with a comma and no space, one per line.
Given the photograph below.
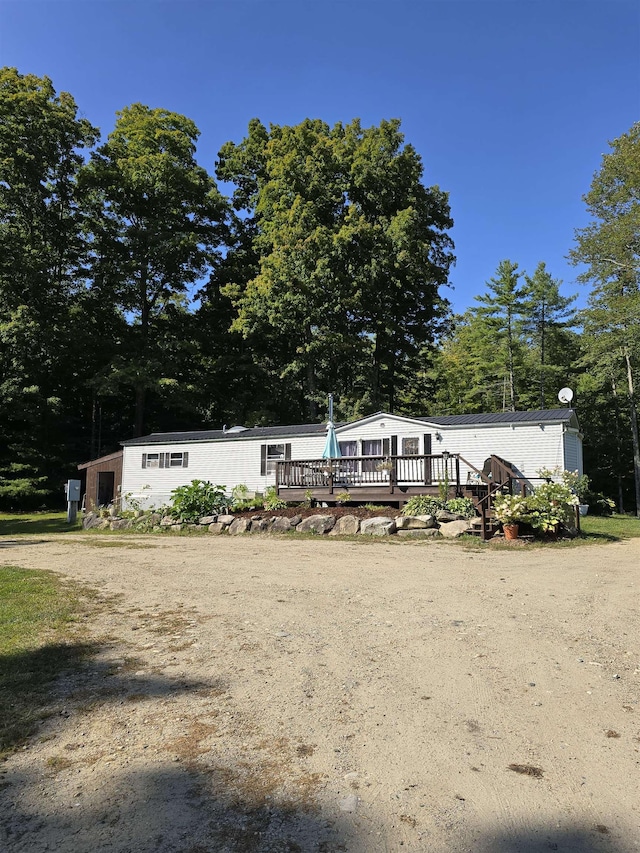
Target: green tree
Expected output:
[42,251]
[156,220]
[468,377]
[546,316]
[501,307]
[348,249]
[610,249]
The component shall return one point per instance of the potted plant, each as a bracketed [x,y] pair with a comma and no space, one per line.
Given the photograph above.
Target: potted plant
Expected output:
[510,510]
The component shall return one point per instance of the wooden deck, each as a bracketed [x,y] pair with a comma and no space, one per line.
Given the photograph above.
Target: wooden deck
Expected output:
[392,480]
[369,479]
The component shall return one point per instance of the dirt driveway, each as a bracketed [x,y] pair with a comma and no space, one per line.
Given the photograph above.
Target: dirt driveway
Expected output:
[254,694]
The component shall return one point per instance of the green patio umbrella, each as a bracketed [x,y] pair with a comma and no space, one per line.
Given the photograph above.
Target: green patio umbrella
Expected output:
[331,447]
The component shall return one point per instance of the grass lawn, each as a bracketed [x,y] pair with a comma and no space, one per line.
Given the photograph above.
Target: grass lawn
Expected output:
[15,524]
[610,528]
[37,643]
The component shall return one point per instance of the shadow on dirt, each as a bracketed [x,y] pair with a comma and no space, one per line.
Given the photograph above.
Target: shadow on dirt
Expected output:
[178,809]
[13,543]
[90,795]
[40,683]
[541,839]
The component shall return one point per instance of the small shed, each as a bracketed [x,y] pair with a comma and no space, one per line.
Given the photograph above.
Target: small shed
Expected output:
[103,479]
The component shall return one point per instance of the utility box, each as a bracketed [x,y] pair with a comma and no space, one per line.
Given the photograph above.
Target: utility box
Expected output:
[73,490]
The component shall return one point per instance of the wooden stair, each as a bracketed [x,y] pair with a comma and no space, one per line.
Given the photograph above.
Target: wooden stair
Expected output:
[482,526]
[498,477]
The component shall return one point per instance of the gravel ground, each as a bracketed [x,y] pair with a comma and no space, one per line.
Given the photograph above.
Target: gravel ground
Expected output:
[262,694]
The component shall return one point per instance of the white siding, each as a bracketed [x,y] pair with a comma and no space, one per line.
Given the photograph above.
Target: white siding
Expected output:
[228,462]
[528,446]
[385,426]
[573,451]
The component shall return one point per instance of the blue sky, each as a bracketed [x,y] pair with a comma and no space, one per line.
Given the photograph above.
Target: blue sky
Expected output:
[509,103]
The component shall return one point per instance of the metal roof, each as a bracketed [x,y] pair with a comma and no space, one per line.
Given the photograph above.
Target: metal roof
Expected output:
[501,417]
[293,430]
[228,435]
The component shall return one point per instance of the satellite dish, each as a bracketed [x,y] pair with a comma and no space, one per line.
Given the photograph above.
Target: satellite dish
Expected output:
[565,395]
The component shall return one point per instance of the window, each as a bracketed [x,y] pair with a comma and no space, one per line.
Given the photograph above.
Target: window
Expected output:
[272,453]
[410,446]
[165,460]
[348,448]
[371,447]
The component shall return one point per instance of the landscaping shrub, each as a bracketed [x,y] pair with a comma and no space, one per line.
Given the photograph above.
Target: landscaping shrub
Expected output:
[199,498]
[429,505]
[551,505]
[240,500]
[599,504]
[461,506]
[271,499]
[422,505]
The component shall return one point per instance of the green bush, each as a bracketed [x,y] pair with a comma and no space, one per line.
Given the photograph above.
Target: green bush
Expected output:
[599,504]
[240,500]
[199,498]
[271,499]
[551,505]
[423,505]
[461,506]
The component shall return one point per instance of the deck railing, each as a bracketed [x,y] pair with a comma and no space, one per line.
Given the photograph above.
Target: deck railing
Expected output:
[353,471]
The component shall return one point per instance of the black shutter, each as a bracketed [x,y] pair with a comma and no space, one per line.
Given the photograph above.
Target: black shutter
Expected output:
[394,445]
[287,451]
[385,446]
[161,460]
[144,460]
[185,459]
[427,462]
[263,460]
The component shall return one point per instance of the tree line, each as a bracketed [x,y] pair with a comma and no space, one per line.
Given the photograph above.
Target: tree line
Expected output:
[137,296]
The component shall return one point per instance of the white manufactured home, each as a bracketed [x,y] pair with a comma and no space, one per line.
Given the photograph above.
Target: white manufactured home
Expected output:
[382,456]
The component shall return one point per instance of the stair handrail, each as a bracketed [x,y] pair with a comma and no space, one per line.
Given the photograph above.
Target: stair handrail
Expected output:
[484,478]
[501,476]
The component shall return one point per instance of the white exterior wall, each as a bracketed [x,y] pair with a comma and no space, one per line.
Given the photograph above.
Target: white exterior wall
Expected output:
[528,446]
[228,462]
[573,451]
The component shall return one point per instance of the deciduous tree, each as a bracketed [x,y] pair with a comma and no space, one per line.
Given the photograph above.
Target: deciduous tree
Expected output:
[41,254]
[349,250]
[610,249]
[157,219]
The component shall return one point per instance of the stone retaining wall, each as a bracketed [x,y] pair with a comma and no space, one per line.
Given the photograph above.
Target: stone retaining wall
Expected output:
[407,526]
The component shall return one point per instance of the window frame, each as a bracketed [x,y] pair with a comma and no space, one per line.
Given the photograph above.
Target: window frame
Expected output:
[413,438]
[268,459]
[161,459]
